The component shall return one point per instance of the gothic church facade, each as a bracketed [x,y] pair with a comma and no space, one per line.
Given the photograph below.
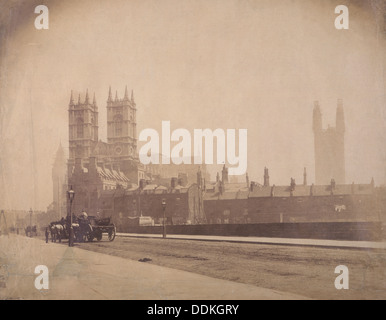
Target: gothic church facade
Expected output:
[329,147]
[120,150]
[95,165]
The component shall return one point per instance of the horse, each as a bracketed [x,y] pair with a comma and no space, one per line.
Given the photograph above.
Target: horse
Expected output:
[29,230]
[57,231]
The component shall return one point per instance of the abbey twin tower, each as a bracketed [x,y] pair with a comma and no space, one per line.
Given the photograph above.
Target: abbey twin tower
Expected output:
[119,153]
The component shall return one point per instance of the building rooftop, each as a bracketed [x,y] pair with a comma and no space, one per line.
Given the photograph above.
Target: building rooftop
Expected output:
[231,192]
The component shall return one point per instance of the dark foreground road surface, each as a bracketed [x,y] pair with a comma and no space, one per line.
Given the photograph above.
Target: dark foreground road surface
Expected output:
[308,271]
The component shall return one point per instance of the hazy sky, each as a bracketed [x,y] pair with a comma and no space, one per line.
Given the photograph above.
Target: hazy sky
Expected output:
[254,64]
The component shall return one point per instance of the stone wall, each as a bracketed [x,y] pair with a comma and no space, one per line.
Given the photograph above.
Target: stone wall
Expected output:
[359,231]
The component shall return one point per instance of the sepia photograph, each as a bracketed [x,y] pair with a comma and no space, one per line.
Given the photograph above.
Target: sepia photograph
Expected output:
[191,154]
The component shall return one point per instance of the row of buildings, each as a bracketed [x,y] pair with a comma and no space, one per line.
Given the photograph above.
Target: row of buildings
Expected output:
[109,179]
[224,202]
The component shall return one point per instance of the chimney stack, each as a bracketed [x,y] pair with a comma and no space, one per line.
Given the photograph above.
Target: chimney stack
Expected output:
[174,182]
[142,184]
[305,177]
[266,177]
[225,174]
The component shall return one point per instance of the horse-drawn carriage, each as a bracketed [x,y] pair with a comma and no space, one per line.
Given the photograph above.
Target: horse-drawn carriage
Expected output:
[93,228]
[84,229]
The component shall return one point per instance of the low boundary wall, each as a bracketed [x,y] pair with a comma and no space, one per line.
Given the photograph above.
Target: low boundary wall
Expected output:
[356,231]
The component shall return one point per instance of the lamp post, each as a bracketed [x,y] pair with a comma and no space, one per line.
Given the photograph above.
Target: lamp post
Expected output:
[71,195]
[30,222]
[164,222]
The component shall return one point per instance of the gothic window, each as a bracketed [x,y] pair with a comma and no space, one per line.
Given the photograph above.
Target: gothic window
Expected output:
[118,125]
[79,128]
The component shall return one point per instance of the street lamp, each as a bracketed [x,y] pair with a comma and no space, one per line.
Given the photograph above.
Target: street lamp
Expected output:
[164,224]
[30,222]
[71,195]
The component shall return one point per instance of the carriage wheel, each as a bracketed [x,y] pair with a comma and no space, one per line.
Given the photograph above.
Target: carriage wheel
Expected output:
[112,234]
[99,236]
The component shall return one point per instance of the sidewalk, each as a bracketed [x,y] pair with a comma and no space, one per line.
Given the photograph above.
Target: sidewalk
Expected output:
[262,240]
[80,274]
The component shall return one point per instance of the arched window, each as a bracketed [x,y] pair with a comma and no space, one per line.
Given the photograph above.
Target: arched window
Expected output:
[79,128]
[118,125]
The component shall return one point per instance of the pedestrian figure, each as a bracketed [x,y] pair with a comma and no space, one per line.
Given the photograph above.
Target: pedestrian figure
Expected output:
[47,234]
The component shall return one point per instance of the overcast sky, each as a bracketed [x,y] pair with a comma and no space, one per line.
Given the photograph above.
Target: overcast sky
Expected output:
[253,64]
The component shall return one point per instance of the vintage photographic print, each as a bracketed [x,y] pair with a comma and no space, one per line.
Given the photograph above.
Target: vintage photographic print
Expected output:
[191,150]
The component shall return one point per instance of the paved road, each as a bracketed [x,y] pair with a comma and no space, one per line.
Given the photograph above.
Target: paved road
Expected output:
[264,240]
[300,269]
[81,274]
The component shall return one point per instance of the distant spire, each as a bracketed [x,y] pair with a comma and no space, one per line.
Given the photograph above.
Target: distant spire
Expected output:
[60,157]
[71,100]
[116,95]
[126,94]
[86,99]
[132,96]
[110,98]
[94,100]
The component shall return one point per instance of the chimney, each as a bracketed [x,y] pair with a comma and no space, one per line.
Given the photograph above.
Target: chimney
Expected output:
[293,184]
[221,188]
[224,174]
[312,190]
[333,184]
[273,191]
[174,182]
[183,179]
[252,186]
[247,179]
[142,184]
[266,177]
[305,177]
[199,177]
